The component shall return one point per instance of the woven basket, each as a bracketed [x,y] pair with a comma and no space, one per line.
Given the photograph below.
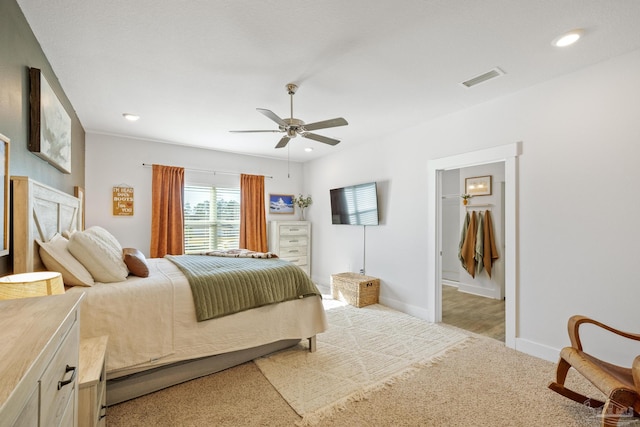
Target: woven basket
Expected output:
[355,289]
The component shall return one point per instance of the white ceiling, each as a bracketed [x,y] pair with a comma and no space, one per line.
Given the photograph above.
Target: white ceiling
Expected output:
[195,69]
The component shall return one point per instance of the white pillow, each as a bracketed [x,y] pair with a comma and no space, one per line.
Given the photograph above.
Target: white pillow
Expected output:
[98,253]
[56,257]
[105,236]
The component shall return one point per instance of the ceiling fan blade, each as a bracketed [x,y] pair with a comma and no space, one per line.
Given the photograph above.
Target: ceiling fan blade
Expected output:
[253,131]
[321,138]
[273,116]
[326,124]
[283,142]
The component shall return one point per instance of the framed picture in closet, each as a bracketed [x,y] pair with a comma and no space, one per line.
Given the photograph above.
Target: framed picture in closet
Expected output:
[478,185]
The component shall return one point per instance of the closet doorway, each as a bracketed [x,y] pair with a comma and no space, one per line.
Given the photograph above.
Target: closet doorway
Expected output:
[474,303]
[509,155]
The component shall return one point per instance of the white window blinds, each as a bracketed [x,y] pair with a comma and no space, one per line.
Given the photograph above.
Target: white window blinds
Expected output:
[211,218]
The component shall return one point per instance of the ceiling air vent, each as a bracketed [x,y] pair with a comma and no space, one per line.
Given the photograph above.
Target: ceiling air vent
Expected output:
[496,72]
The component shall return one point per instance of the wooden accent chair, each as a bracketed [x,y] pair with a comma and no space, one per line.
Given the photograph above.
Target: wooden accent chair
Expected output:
[620,385]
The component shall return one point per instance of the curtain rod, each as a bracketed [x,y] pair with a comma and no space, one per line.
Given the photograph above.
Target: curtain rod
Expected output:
[211,171]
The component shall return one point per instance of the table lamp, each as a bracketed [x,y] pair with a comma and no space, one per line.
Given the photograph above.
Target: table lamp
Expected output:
[35,284]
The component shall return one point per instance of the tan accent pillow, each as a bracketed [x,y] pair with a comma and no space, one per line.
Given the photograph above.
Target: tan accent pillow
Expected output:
[99,255]
[56,257]
[136,262]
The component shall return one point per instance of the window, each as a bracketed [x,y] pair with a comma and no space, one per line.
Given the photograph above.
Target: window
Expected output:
[211,218]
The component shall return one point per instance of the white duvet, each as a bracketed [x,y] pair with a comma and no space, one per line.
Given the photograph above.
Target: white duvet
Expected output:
[151,321]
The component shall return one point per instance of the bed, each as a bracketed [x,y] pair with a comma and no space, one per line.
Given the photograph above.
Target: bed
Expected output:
[155,340]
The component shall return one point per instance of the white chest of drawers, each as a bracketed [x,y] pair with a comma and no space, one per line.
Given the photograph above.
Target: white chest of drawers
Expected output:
[291,241]
[39,361]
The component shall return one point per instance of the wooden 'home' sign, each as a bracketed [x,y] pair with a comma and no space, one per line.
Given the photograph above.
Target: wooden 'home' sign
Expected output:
[123,201]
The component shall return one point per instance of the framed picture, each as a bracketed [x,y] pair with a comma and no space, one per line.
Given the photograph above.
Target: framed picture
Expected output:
[280,203]
[50,125]
[4,196]
[478,186]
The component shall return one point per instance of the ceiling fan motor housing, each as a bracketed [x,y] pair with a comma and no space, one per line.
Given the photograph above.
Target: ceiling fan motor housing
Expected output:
[292,88]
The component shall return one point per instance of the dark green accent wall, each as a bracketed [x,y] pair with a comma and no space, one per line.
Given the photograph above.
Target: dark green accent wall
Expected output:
[20,50]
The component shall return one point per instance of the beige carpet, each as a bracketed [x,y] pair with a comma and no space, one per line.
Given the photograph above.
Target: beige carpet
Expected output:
[481,383]
[364,349]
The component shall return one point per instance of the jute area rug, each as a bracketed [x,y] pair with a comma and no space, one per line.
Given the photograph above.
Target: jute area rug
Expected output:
[363,350]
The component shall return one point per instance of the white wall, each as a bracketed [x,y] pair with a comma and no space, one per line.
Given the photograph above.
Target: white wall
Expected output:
[482,284]
[576,208]
[111,161]
[451,225]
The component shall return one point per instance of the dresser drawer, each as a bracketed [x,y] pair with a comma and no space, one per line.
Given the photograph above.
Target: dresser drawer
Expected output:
[294,230]
[29,414]
[68,417]
[288,241]
[58,383]
[298,260]
[292,251]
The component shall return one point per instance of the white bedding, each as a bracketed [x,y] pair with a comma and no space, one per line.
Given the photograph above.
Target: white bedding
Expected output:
[152,322]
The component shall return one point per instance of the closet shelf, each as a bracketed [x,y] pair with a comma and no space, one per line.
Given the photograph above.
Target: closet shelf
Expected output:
[484,205]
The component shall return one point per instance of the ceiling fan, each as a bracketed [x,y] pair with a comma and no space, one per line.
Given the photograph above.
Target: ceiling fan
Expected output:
[293,127]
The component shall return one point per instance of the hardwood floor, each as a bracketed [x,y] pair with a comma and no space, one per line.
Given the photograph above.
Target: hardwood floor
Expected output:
[484,316]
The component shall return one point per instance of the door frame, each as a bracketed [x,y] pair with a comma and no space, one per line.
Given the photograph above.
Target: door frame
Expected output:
[509,155]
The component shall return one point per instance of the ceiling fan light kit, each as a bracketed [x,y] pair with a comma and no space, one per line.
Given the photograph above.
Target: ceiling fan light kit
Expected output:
[293,127]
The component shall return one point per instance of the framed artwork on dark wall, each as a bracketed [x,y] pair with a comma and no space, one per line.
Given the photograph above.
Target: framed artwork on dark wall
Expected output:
[50,125]
[4,194]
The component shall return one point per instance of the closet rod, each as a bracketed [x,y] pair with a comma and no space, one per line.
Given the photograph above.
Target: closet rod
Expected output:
[211,171]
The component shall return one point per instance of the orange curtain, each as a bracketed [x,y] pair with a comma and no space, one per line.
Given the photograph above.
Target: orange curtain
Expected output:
[253,221]
[167,214]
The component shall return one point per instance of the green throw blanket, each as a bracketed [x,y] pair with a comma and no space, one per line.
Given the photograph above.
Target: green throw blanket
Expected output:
[222,286]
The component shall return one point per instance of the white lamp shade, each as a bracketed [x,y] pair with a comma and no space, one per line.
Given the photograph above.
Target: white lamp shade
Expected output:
[36,284]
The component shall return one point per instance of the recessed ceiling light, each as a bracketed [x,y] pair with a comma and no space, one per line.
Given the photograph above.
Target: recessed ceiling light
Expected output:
[567,39]
[308,149]
[131,117]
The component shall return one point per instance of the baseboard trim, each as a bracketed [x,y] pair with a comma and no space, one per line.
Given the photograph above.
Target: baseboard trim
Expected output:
[538,350]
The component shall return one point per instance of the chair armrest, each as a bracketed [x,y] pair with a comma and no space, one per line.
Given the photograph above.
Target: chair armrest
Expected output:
[635,369]
[577,320]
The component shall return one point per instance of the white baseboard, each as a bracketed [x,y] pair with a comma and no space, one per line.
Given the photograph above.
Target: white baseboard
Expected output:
[478,290]
[409,309]
[538,350]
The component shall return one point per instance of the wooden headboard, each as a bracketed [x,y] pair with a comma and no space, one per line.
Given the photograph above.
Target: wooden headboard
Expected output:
[39,212]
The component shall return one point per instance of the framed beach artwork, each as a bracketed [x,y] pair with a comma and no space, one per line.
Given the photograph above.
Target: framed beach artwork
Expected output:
[280,203]
[50,125]
[478,185]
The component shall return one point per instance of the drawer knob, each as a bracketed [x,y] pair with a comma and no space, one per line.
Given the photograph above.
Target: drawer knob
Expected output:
[68,369]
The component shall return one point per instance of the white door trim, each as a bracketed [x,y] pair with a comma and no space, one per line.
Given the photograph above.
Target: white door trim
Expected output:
[509,154]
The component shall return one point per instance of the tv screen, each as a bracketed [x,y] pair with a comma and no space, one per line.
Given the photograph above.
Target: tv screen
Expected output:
[355,205]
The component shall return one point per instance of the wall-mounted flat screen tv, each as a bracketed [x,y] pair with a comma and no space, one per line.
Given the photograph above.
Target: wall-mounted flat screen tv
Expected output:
[355,204]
